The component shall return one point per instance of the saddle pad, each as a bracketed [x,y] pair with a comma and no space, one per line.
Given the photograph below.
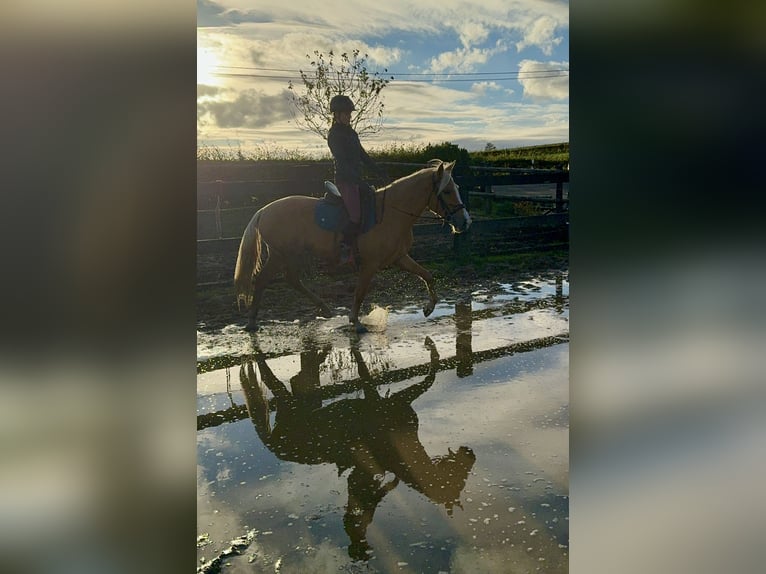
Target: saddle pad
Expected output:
[330,214]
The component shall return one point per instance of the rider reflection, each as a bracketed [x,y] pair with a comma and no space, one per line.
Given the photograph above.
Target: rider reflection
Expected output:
[305,385]
[375,436]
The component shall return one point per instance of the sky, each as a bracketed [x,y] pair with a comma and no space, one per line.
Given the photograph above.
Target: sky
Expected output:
[469,73]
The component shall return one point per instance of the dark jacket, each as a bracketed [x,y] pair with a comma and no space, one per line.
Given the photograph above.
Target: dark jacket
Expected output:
[348,153]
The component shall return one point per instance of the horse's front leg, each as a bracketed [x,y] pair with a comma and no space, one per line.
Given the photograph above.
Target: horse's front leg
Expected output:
[407,263]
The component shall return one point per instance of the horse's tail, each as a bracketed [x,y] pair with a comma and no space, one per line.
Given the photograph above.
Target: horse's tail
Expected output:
[248,262]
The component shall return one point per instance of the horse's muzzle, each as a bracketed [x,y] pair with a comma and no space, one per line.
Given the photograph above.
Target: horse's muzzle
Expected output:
[461,221]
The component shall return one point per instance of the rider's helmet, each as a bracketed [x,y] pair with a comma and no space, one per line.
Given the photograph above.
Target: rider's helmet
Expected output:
[341,103]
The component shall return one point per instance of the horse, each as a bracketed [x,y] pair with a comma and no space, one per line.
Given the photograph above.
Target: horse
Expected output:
[279,233]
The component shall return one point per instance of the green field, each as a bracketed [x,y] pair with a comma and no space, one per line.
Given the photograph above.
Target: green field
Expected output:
[543,156]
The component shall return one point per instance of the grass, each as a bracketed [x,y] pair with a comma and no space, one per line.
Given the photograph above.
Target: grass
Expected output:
[258,153]
[543,155]
[506,208]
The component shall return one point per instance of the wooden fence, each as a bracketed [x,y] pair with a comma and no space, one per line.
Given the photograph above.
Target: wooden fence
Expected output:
[229,193]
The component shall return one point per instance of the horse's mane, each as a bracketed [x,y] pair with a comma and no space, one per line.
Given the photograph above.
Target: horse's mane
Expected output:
[432,163]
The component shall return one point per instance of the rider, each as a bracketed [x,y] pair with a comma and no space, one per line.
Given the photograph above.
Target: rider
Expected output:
[348,155]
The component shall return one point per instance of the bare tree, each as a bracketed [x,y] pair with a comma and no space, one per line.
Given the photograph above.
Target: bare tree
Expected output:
[330,76]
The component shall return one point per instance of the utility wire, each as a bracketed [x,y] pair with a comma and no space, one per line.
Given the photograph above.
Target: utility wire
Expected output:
[387,73]
[541,74]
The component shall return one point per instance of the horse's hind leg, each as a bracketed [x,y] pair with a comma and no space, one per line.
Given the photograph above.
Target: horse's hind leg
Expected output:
[407,263]
[293,279]
[268,272]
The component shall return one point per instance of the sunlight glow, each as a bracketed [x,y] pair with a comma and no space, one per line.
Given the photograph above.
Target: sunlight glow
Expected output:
[207,66]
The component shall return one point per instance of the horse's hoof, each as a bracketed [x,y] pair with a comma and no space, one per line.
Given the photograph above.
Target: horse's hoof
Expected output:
[428,309]
[251,327]
[359,328]
[325,312]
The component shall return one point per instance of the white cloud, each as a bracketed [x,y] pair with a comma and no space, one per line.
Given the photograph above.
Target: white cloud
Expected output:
[472,33]
[544,80]
[463,59]
[484,87]
[460,60]
[541,34]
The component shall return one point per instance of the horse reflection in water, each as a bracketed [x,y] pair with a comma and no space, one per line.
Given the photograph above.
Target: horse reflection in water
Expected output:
[372,436]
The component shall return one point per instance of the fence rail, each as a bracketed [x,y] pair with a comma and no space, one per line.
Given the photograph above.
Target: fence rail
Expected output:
[229,193]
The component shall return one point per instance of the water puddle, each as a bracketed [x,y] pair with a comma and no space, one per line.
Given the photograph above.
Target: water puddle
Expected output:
[426,445]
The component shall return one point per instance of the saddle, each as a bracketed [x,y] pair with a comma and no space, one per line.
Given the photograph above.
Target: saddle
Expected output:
[331,214]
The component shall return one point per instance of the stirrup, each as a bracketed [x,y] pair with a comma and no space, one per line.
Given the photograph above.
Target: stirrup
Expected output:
[332,189]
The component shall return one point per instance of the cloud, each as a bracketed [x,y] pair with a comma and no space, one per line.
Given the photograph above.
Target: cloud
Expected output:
[212,14]
[204,90]
[463,59]
[472,33]
[251,109]
[539,85]
[466,560]
[482,88]
[257,56]
[541,34]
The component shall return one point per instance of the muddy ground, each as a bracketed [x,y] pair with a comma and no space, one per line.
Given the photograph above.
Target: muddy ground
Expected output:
[216,306]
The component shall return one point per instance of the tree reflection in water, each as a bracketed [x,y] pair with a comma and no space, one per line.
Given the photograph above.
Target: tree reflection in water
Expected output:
[374,436]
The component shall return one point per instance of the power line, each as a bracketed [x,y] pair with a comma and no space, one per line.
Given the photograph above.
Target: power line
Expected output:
[387,73]
[539,74]
[493,79]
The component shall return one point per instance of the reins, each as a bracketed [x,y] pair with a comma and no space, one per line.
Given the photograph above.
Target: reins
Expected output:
[445,207]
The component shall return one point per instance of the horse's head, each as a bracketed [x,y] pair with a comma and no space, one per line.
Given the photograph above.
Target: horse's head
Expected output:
[452,472]
[445,201]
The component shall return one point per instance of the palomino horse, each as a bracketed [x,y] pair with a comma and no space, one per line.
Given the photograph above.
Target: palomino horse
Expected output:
[281,231]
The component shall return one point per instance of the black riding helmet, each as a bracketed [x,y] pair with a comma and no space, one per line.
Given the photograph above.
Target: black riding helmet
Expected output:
[341,103]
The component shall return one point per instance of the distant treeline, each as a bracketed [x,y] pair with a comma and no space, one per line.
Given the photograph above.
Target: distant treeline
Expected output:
[543,156]
[540,156]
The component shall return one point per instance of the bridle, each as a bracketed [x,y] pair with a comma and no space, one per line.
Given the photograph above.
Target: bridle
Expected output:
[450,211]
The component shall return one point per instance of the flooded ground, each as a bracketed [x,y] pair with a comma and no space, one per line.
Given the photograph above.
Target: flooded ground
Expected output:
[425,445]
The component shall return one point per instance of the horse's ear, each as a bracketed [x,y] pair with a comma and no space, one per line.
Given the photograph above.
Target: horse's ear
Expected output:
[451,165]
[439,177]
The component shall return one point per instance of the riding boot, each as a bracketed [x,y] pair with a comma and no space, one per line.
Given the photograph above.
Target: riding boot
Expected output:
[349,252]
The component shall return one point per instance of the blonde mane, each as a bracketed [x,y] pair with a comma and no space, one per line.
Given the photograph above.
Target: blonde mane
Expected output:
[409,178]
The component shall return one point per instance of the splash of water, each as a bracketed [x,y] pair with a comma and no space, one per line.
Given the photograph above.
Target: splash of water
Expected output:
[376,319]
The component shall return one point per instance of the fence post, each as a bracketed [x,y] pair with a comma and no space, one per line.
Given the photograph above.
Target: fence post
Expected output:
[461,244]
[218,225]
[559,196]
[463,326]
